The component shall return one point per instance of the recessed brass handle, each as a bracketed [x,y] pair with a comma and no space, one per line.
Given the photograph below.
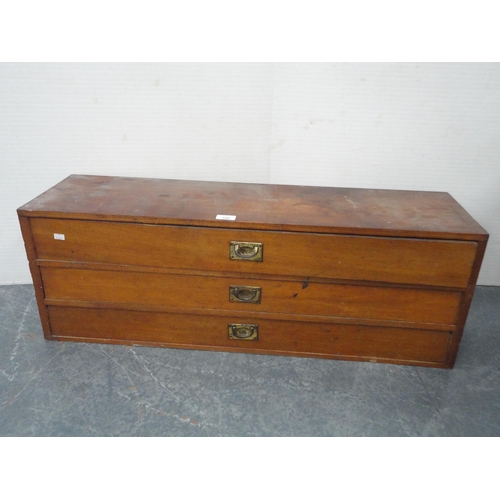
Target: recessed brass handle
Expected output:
[248,294]
[246,250]
[239,331]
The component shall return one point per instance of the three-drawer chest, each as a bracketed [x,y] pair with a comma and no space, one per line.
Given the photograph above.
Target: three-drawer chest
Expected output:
[354,274]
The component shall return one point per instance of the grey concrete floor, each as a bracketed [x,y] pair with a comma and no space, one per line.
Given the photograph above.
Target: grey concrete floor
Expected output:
[75,389]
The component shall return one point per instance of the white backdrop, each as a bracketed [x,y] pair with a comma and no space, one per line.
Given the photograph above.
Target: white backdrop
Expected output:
[418,126]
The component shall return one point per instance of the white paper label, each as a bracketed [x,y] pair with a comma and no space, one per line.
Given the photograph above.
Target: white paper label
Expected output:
[58,236]
[226,217]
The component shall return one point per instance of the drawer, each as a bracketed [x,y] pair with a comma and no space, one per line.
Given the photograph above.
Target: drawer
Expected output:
[273,337]
[287,297]
[444,263]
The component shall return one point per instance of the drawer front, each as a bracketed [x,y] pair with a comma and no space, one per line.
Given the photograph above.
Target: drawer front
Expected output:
[391,260]
[278,337]
[288,297]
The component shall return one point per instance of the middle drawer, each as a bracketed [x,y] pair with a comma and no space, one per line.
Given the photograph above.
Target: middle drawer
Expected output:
[286,297]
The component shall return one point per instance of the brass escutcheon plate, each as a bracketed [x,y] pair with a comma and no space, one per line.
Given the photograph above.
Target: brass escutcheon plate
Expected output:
[246,250]
[239,331]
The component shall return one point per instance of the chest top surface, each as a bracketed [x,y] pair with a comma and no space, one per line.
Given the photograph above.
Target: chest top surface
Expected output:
[257,206]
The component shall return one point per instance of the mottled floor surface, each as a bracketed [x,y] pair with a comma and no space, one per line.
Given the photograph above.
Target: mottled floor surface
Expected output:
[70,389]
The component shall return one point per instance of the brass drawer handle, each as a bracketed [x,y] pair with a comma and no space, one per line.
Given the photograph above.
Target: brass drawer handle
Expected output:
[238,331]
[246,250]
[249,294]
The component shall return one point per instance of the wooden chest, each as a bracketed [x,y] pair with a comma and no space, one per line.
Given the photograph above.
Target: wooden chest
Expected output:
[357,274]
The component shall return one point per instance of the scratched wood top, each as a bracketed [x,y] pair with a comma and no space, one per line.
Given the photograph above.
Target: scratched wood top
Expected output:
[257,206]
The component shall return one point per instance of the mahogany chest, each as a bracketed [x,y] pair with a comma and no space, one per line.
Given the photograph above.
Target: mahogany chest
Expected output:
[354,274]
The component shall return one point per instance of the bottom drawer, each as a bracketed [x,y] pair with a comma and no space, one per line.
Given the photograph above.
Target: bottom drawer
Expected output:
[338,341]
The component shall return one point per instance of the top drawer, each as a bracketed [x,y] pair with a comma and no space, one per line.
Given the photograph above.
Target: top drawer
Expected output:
[393,260]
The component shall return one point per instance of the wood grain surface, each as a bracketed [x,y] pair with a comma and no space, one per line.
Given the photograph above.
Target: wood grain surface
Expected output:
[258,206]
